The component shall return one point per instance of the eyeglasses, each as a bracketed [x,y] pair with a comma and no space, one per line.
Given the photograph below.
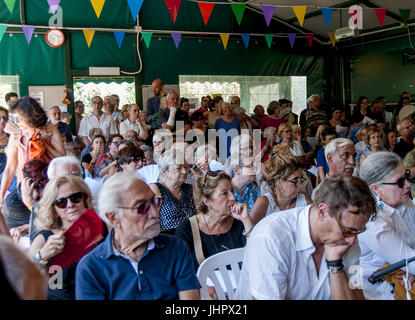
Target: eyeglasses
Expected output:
[298,181]
[63,202]
[16,118]
[134,158]
[97,102]
[145,206]
[349,232]
[400,182]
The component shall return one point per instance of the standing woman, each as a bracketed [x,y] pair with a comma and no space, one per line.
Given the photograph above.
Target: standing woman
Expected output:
[228,121]
[32,138]
[273,119]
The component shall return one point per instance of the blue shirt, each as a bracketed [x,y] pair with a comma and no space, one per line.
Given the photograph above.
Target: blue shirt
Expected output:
[227,126]
[251,193]
[153,106]
[165,269]
[321,160]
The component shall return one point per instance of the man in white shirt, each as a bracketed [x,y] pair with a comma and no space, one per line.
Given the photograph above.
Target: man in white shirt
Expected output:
[133,123]
[311,252]
[97,119]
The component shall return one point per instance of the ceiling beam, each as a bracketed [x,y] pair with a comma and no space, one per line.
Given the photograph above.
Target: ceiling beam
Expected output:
[389,14]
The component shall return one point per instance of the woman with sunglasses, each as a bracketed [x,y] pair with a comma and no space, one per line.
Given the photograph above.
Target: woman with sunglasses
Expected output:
[106,163]
[177,196]
[284,178]
[130,159]
[391,236]
[65,200]
[32,138]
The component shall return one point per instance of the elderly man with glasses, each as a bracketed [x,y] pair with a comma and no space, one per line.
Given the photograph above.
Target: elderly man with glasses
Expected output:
[310,253]
[135,262]
[97,119]
[133,122]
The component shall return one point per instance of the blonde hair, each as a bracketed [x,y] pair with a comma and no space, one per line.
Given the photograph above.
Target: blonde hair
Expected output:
[320,131]
[47,218]
[205,186]
[372,131]
[283,127]
[279,166]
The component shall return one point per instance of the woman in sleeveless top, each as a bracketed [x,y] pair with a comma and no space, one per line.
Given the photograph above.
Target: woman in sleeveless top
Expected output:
[177,196]
[31,138]
[284,176]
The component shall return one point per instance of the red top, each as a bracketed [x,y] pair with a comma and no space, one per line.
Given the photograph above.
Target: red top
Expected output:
[267,121]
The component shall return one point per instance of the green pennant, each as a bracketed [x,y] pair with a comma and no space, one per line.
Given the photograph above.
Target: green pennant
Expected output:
[268,38]
[2,31]
[147,38]
[405,15]
[10,4]
[238,10]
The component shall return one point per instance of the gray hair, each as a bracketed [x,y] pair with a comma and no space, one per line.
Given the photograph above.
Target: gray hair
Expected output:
[146,148]
[311,97]
[269,130]
[170,157]
[201,150]
[398,126]
[231,164]
[379,166]
[110,193]
[60,161]
[335,144]
[66,115]
[238,141]
[111,100]
[53,107]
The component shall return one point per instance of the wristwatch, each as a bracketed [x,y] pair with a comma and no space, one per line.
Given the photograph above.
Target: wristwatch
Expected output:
[36,258]
[335,269]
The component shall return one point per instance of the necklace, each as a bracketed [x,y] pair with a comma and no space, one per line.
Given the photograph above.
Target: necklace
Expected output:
[213,240]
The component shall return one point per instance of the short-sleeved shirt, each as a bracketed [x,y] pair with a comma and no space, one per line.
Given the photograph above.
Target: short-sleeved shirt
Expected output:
[250,194]
[126,126]
[165,269]
[105,123]
[321,160]
[267,121]
[222,127]
[278,262]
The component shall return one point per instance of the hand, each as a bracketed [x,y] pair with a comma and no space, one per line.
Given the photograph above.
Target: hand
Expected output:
[240,211]
[53,246]
[29,192]
[335,251]
[16,233]
[411,279]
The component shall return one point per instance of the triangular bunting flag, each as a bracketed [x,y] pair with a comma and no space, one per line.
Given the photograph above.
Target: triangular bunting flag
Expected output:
[225,39]
[381,13]
[89,35]
[97,5]
[291,38]
[268,38]
[28,33]
[300,13]
[54,4]
[147,38]
[2,31]
[135,6]
[332,39]
[238,10]
[405,13]
[310,37]
[268,13]
[176,38]
[245,37]
[327,14]
[119,36]
[173,7]
[10,4]
[206,9]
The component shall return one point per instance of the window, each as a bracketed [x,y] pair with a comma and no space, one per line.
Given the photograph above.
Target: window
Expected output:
[8,84]
[252,90]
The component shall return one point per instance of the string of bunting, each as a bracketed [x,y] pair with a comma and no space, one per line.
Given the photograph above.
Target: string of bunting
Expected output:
[206,9]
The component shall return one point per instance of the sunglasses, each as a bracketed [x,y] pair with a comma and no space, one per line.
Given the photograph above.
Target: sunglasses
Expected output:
[145,206]
[63,202]
[349,232]
[401,181]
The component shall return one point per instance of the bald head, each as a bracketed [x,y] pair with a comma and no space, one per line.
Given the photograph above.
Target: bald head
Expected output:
[157,85]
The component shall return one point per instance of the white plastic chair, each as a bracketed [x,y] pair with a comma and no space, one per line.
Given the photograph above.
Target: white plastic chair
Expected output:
[214,269]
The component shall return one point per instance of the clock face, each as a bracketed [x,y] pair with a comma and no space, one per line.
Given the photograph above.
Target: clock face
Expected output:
[55,38]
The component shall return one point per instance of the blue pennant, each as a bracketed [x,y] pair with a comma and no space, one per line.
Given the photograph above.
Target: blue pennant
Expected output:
[245,37]
[119,36]
[327,14]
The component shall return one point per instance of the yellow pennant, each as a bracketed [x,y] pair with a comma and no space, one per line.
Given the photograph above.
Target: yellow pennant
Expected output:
[300,13]
[332,39]
[225,39]
[89,35]
[98,5]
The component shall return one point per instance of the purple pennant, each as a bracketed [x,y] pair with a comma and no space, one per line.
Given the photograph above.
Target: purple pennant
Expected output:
[28,32]
[268,13]
[291,37]
[54,4]
[176,38]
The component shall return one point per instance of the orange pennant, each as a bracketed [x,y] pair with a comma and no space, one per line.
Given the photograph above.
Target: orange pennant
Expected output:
[332,39]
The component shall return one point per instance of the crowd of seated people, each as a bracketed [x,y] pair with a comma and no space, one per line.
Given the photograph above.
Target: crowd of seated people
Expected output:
[156,192]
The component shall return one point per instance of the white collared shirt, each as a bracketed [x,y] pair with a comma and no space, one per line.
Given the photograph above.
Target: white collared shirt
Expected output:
[126,126]
[105,123]
[387,239]
[278,262]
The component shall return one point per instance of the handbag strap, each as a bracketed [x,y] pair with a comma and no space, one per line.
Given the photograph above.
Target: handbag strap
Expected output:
[197,242]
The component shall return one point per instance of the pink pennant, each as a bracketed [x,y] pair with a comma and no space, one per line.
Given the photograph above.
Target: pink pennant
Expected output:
[381,13]
[54,4]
